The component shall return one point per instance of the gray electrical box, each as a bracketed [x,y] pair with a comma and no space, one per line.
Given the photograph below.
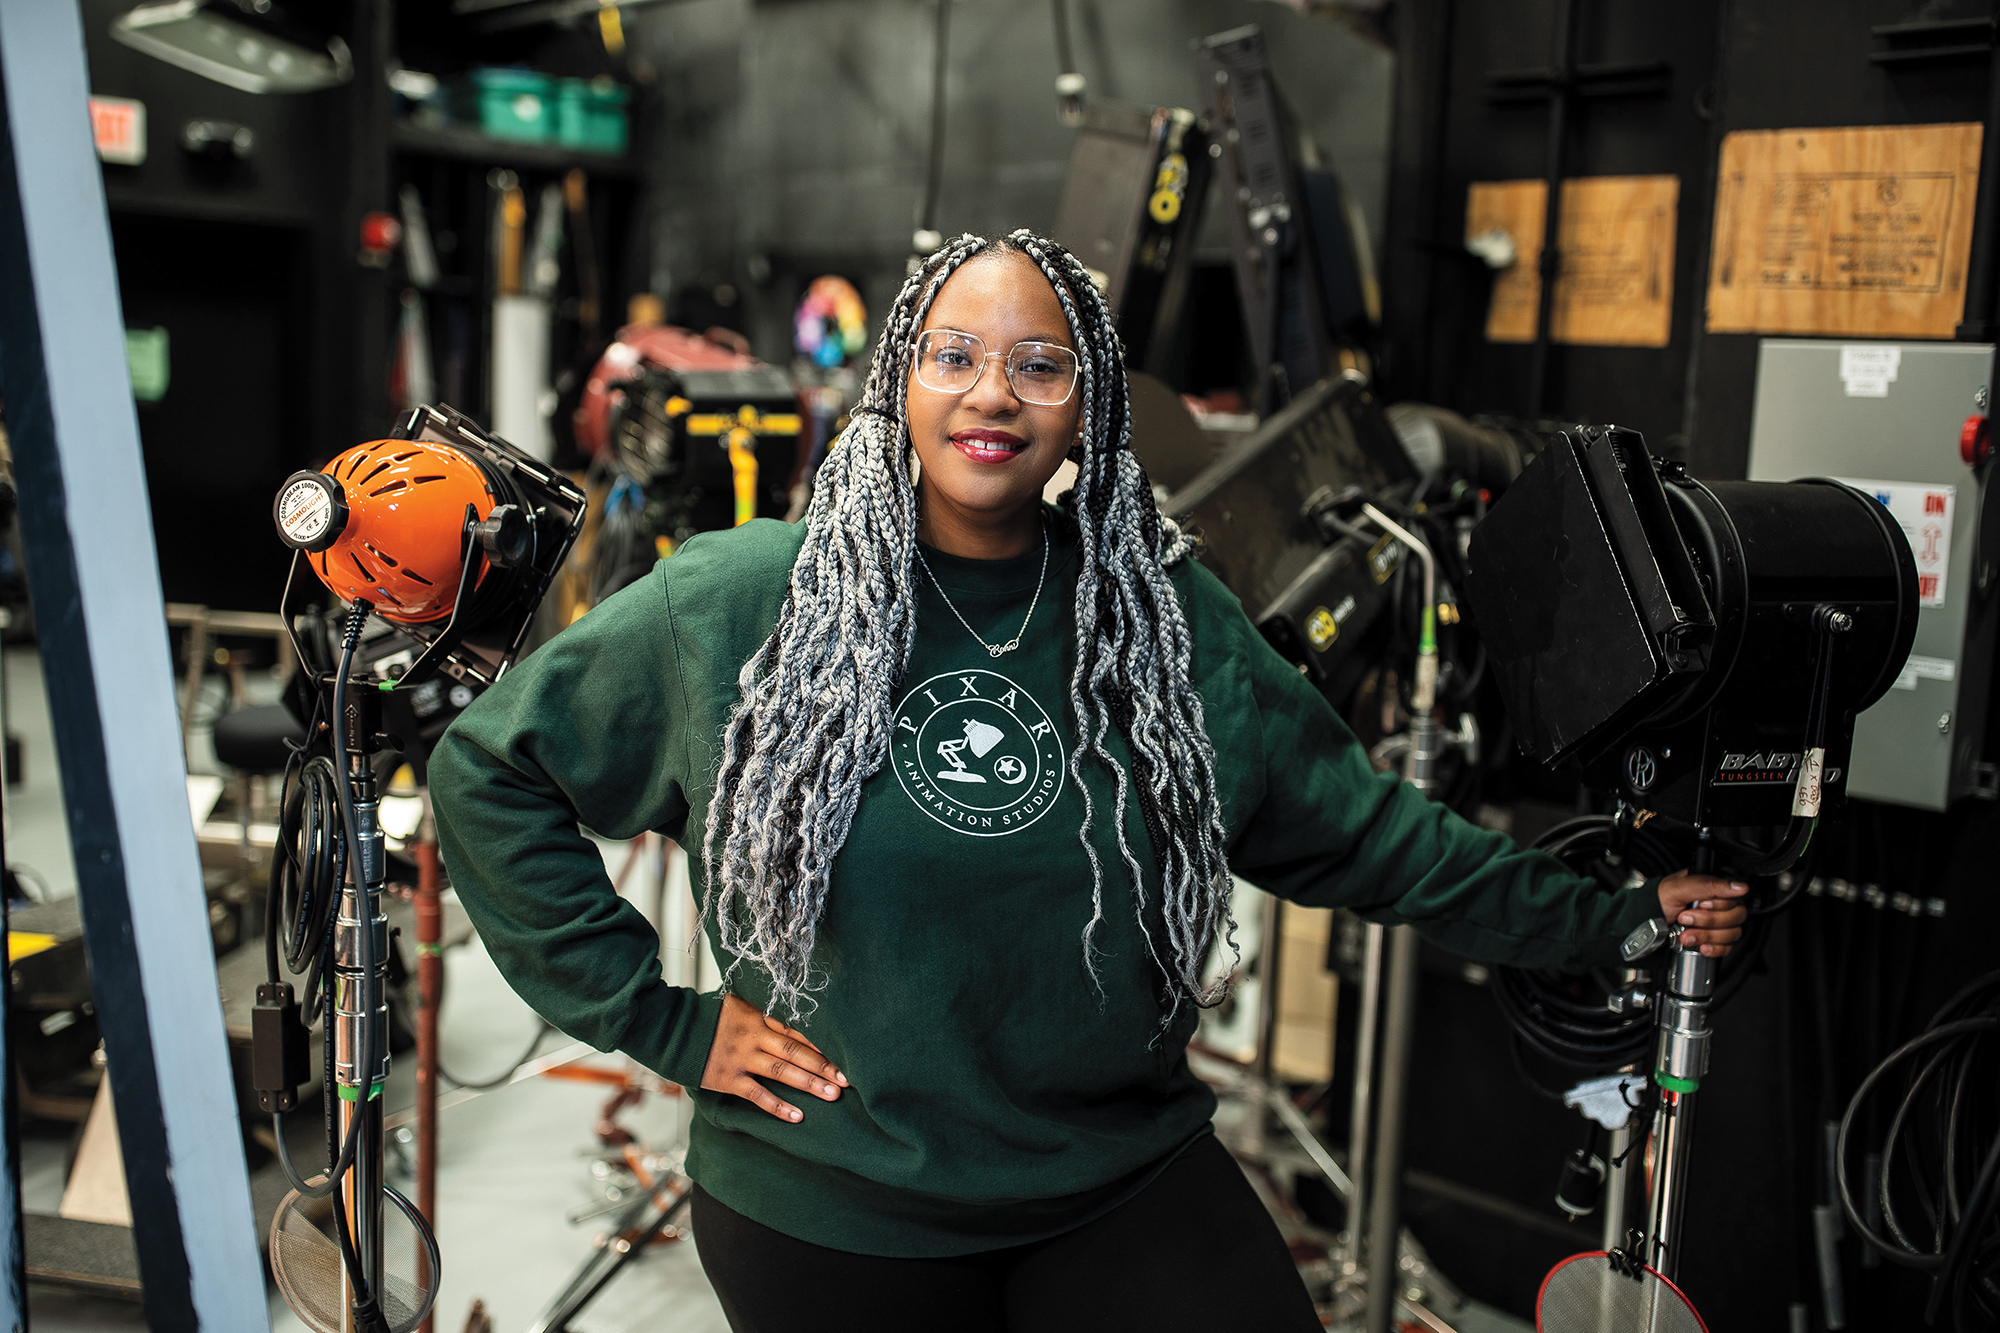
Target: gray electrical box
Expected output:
[1886,417]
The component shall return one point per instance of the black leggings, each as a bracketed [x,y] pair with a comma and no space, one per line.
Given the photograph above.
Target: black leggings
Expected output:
[1193,1250]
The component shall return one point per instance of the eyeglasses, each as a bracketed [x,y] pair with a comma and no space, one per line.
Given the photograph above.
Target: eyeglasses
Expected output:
[951,362]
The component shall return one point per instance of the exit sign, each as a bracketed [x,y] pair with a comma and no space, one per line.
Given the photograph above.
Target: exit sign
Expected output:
[119,125]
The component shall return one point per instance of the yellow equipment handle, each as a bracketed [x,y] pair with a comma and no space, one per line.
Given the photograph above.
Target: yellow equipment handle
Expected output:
[743,466]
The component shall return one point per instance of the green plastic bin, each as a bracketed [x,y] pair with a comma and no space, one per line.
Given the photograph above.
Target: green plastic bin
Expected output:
[590,115]
[516,104]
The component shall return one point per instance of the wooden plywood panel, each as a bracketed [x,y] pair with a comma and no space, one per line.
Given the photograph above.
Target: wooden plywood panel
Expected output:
[1848,231]
[1516,208]
[1308,996]
[96,1188]
[1615,286]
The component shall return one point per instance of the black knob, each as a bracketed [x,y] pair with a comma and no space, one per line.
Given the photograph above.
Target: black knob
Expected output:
[507,535]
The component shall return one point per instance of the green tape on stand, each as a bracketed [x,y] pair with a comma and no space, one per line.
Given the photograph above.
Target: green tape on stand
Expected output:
[1671,1084]
[348,1094]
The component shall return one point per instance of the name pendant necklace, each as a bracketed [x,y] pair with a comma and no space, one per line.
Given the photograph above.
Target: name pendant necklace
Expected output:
[995,649]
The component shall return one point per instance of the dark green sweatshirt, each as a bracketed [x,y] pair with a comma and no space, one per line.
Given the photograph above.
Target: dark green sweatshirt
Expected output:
[998,1096]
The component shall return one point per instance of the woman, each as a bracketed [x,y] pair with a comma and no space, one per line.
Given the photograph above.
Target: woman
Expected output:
[967,774]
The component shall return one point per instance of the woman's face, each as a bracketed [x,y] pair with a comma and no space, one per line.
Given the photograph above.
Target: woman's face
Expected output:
[986,454]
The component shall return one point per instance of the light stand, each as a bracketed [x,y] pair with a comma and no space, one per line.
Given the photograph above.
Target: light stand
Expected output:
[361,987]
[1682,1060]
[1376,1249]
[1699,651]
[1362,1104]
[495,529]
[1385,1202]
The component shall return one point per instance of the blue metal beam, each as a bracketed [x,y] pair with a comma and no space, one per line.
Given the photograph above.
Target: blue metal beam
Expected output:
[98,613]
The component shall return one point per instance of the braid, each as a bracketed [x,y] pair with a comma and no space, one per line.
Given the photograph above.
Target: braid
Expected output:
[816,713]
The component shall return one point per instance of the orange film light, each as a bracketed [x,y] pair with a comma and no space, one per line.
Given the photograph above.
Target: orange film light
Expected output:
[385,522]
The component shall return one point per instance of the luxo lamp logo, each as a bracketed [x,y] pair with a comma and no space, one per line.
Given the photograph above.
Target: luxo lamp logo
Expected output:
[977,752]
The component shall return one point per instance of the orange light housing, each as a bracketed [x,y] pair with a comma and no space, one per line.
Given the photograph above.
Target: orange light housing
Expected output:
[401,543]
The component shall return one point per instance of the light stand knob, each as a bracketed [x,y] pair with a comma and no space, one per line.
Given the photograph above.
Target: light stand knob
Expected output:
[507,535]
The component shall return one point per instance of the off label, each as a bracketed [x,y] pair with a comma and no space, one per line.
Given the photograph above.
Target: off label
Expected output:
[977,752]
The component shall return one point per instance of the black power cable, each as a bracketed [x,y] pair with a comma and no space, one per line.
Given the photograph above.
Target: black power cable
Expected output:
[305,887]
[1945,1114]
[1567,1020]
[305,884]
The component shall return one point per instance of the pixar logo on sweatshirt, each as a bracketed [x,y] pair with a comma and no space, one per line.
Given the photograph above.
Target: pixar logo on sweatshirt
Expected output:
[977,753]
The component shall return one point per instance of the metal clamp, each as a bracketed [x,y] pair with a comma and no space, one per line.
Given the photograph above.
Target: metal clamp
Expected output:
[1632,1000]
[1647,937]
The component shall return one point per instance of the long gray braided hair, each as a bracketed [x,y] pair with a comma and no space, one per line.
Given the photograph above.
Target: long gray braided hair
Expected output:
[815,718]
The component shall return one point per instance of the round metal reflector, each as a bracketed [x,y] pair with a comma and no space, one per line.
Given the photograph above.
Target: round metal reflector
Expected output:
[305,1260]
[1586,1293]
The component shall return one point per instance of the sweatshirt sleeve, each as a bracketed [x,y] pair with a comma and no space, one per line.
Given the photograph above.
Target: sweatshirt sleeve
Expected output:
[1315,824]
[587,729]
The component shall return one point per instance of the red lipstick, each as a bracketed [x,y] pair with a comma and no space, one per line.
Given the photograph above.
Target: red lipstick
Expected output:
[988,446]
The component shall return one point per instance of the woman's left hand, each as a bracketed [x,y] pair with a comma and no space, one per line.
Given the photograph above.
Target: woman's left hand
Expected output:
[1711,910]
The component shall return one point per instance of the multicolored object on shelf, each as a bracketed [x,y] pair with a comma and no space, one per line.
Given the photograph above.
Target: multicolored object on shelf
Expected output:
[832,324]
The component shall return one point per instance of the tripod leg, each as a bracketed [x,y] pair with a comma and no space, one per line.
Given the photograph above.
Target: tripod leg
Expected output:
[646,1219]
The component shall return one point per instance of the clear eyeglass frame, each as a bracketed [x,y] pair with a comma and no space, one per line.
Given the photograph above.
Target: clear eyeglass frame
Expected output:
[1052,389]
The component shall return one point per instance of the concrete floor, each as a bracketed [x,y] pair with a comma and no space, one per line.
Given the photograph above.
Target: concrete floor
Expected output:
[512,1162]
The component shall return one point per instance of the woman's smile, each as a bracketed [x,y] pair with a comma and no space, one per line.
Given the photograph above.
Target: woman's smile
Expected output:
[988,446]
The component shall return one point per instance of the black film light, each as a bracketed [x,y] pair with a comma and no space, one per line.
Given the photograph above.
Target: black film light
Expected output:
[1699,651]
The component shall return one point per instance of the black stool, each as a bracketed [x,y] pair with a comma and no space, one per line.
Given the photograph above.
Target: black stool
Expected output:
[254,742]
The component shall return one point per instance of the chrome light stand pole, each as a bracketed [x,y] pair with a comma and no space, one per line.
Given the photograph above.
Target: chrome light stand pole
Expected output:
[1361,1107]
[1680,1060]
[1383,1199]
[361,989]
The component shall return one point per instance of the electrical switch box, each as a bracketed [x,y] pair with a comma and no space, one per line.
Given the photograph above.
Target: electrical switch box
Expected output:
[1886,417]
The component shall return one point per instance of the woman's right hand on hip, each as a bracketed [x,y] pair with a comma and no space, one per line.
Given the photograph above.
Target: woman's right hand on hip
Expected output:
[750,1046]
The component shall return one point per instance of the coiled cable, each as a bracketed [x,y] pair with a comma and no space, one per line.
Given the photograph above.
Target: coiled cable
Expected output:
[1939,1134]
[1566,1020]
[307,872]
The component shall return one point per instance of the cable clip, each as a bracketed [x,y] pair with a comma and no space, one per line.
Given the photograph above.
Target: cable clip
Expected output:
[1625,1260]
